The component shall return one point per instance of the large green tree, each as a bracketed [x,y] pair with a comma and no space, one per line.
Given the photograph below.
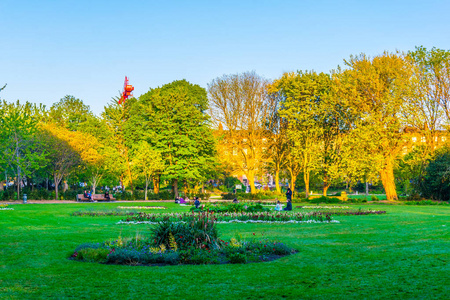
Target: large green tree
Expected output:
[20,150]
[314,125]
[173,121]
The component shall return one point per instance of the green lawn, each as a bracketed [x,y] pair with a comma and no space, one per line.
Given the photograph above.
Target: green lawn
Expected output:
[402,254]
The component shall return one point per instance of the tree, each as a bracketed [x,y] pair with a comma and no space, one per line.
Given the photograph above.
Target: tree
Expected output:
[115,118]
[147,163]
[240,103]
[173,121]
[65,149]
[70,112]
[373,90]
[278,151]
[314,125]
[19,149]
[432,79]
[436,180]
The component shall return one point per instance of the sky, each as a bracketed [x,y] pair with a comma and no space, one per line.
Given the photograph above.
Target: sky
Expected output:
[49,49]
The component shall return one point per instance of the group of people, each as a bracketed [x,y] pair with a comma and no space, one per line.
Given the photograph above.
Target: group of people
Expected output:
[89,195]
[278,206]
[180,200]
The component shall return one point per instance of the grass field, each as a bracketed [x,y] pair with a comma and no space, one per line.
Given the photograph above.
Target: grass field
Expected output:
[402,254]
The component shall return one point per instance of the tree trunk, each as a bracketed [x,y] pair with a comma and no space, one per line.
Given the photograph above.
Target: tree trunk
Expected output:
[175,187]
[325,189]
[388,180]
[277,181]
[306,180]
[251,181]
[156,179]
[326,185]
[18,183]
[56,187]
[367,188]
[146,187]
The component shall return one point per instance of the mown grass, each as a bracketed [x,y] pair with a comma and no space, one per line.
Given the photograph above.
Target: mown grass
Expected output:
[402,254]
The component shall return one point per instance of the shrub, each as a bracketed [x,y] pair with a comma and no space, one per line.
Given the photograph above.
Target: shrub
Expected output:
[427,202]
[93,255]
[374,198]
[199,232]
[323,199]
[237,258]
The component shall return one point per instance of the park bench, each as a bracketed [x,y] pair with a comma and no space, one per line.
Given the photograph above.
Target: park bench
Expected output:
[95,197]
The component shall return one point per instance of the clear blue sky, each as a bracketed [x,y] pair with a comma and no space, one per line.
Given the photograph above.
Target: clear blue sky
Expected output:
[49,49]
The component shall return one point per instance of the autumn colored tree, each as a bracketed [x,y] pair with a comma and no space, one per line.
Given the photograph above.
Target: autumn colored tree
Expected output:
[373,90]
[241,105]
[68,152]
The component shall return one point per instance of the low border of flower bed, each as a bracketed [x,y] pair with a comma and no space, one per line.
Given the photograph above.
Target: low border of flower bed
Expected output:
[233,221]
[142,207]
[6,208]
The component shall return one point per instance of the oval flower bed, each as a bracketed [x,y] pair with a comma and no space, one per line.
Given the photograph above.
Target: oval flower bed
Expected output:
[231,217]
[173,243]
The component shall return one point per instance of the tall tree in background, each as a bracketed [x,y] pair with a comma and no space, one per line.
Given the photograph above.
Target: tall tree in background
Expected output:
[173,121]
[240,103]
[313,125]
[374,89]
[116,117]
[70,112]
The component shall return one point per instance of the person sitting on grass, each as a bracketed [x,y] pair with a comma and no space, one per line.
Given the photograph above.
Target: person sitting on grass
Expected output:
[107,195]
[288,205]
[278,206]
[235,200]
[182,201]
[197,202]
[177,200]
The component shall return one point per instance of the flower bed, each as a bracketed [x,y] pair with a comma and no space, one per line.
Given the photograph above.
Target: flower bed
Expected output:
[231,207]
[5,207]
[142,207]
[324,207]
[236,221]
[232,217]
[358,212]
[173,243]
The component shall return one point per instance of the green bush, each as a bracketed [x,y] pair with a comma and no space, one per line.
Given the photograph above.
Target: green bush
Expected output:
[374,198]
[93,255]
[323,199]
[427,202]
[237,258]
[200,232]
